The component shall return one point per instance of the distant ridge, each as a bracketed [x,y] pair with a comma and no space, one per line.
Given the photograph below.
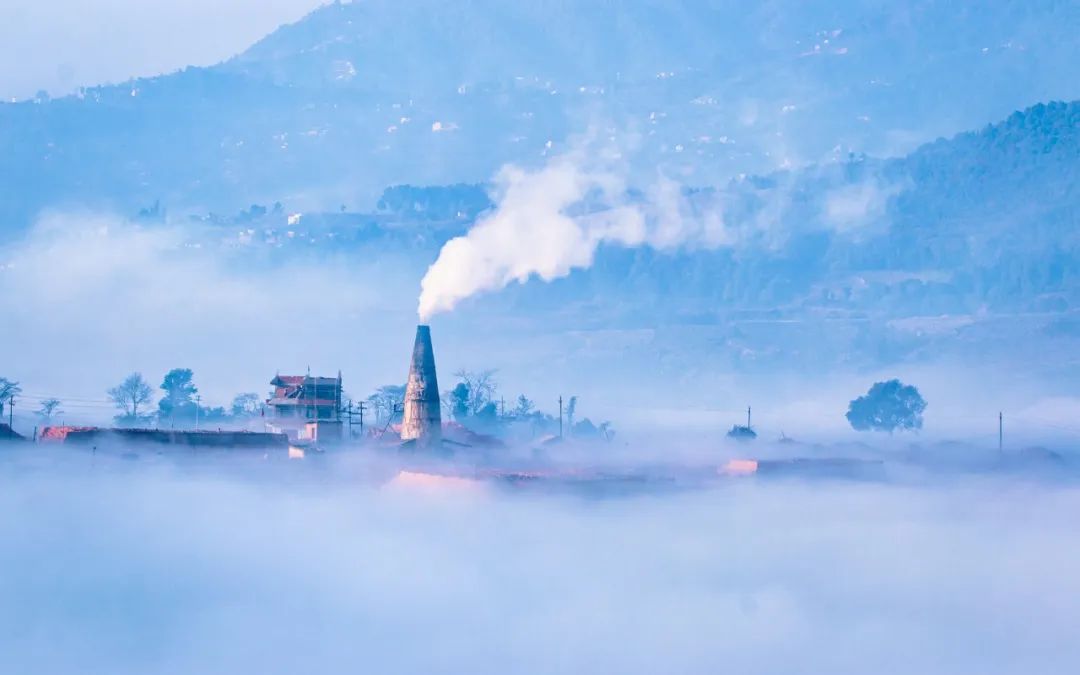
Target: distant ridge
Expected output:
[329,110]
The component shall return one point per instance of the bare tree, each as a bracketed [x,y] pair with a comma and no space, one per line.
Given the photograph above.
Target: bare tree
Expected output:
[387,401]
[482,387]
[130,394]
[247,404]
[571,410]
[48,409]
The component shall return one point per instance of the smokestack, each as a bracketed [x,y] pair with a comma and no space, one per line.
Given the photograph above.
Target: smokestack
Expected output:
[423,419]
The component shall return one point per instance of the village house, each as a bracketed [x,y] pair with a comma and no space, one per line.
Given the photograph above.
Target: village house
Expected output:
[306,407]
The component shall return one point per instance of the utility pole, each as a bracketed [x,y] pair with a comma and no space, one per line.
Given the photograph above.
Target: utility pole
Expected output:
[747,417]
[560,416]
[1001,431]
[198,404]
[361,418]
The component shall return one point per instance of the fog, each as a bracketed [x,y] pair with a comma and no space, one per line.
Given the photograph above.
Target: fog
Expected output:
[532,232]
[644,217]
[142,567]
[550,221]
[96,297]
[63,44]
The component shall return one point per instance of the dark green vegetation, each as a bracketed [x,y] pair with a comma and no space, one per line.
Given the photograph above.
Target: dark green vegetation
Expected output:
[888,406]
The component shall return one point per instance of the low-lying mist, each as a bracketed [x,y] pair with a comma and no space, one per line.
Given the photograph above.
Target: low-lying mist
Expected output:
[93,298]
[114,566]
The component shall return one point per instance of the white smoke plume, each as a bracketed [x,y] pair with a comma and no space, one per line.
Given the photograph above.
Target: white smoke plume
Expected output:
[551,221]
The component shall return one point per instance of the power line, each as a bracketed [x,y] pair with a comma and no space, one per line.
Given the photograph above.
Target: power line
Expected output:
[66,398]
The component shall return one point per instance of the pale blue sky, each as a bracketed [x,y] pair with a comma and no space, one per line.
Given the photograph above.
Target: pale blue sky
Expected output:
[58,45]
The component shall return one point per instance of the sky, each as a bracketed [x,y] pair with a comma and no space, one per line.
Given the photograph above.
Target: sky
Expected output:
[60,45]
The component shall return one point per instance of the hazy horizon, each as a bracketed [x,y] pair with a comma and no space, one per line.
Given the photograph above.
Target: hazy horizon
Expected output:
[63,45]
[756,332]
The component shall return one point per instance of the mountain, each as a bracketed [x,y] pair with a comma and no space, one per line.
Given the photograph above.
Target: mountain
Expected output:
[986,220]
[358,96]
[967,248]
[985,223]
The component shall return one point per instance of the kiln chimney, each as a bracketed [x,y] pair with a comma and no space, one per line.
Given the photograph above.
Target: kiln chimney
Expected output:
[422,421]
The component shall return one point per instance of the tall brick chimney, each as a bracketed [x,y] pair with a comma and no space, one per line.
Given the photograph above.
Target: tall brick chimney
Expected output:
[423,418]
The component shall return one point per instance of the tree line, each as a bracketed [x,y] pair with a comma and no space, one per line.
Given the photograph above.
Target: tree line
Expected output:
[179,405]
[473,402]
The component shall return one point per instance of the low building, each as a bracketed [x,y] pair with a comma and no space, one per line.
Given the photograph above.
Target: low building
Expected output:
[306,407]
[305,398]
[105,439]
[9,434]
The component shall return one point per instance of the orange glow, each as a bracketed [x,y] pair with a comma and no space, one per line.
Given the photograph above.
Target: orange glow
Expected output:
[739,467]
[61,433]
[430,481]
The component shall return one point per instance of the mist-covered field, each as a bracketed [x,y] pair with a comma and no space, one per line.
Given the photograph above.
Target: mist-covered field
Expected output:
[800,281]
[114,566]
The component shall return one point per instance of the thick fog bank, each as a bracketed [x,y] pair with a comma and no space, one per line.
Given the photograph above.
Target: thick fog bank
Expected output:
[144,569]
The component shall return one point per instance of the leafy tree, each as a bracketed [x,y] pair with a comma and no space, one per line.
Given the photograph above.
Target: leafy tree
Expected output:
[888,406]
[585,429]
[459,401]
[180,391]
[524,407]
[246,405]
[256,212]
[212,414]
[8,391]
[486,420]
[48,409]
[129,395]
[481,388]
[488,415]
[446,202]
[541,423]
